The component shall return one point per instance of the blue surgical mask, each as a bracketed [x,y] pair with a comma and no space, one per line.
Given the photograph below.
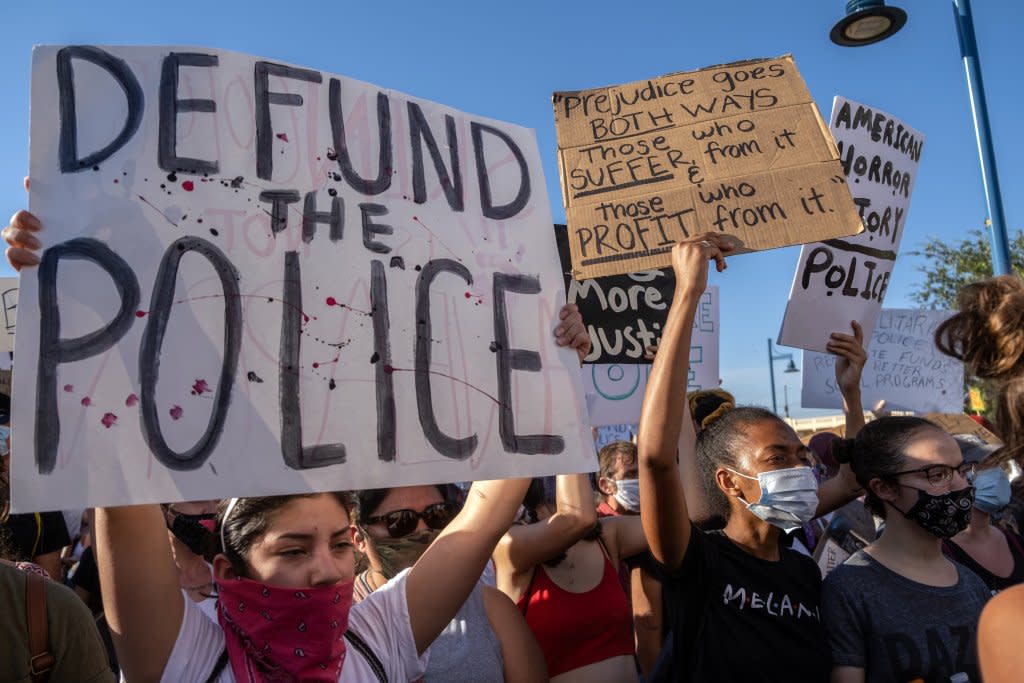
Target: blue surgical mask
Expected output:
[789,497]
[627,493]
[992,490]
[5,433]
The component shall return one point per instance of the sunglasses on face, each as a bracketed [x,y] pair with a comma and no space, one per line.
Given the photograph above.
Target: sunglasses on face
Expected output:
[937,475]
[401,523]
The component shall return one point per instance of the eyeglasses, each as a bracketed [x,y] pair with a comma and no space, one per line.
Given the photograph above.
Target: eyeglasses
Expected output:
[401,523]
[938,475]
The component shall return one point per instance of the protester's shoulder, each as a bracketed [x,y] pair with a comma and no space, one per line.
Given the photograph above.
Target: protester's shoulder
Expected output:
[971,583]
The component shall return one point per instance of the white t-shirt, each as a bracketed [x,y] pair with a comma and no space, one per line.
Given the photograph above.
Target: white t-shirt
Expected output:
[381,620]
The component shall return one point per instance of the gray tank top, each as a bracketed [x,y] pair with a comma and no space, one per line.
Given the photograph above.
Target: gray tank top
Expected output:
[467,651]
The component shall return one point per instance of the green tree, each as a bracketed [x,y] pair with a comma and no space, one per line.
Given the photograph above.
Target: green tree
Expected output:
[951,265]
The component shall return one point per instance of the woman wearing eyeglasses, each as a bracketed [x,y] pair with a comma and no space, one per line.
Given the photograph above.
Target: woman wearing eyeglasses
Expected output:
[488,640]
[899,610]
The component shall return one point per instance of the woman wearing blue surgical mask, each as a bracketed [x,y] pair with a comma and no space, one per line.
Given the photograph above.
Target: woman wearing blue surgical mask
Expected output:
[899,610]
[741,605]
[995,555]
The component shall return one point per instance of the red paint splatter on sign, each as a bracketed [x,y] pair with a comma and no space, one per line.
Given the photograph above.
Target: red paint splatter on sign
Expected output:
[283,137]
[131,400]
[200,387]
[176,412]
[140,314]
[331,301]
[108,420]
[188,186]
[68,388]
[86,402]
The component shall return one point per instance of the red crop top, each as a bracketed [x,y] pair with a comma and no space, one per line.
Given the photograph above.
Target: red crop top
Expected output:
[577,629]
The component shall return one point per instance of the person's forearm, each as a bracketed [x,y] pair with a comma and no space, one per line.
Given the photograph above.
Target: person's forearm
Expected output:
[664,404]
[854,410]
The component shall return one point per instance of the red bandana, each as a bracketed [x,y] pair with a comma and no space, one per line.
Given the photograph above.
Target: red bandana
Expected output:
[276,634]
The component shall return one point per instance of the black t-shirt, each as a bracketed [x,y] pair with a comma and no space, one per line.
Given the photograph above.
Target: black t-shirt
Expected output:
[992,581]
[31,537]
[736,617]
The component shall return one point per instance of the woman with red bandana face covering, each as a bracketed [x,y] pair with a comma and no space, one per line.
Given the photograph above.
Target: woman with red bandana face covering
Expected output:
[285,576]
[899,610]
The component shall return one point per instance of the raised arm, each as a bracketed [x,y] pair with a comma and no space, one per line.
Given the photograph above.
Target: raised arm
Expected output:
[851,357]
[138,580]
[663,508]
[446,573]
[525,546]
[696,498]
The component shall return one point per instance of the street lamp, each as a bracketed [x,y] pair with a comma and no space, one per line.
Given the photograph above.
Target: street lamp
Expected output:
[772,357]
[869,21]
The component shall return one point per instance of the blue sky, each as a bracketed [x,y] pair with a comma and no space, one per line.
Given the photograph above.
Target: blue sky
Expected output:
[505,60]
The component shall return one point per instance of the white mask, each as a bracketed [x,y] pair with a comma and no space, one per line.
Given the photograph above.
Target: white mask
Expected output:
[627,493]
[789,497]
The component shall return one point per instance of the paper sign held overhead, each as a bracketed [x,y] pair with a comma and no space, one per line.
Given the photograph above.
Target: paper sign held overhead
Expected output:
[738,149]
[265,279]
[904,368]
[846,279]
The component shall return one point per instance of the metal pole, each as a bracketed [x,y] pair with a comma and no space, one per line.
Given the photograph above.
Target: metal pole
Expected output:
[771,373]
[986,152]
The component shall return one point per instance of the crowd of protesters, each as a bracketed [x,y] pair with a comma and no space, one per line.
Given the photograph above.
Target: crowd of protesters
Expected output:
[693,554]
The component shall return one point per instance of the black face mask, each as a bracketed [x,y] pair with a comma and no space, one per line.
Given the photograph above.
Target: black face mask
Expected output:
[189,530]
[943,515]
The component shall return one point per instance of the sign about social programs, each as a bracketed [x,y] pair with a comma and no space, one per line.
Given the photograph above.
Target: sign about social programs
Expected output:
[840,280]
[262,278]
[615,392]
[624,314]
[739,149]
[9,303]
[904,368]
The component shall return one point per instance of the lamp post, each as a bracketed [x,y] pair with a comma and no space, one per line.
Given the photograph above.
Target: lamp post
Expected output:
[772,357]
[869,21]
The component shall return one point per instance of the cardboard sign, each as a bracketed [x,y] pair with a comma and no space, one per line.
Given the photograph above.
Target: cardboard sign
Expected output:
[9,304]
[958,423]
[624,314]
[846,279]
[739,149]
[904,368]
[265,279]
[615,392]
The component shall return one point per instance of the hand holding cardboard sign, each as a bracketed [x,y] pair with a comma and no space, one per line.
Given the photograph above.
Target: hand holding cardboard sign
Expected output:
[690,260]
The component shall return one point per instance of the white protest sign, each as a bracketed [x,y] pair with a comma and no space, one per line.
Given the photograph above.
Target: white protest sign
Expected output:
[904,368]
[615,392]
[9,304]
[264,279]
[846,279]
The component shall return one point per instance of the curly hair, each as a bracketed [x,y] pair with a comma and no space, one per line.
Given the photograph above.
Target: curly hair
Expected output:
[987,334]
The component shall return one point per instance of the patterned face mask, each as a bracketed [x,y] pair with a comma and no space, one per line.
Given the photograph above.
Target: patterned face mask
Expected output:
[943,515]
[397,554]
[284,634]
